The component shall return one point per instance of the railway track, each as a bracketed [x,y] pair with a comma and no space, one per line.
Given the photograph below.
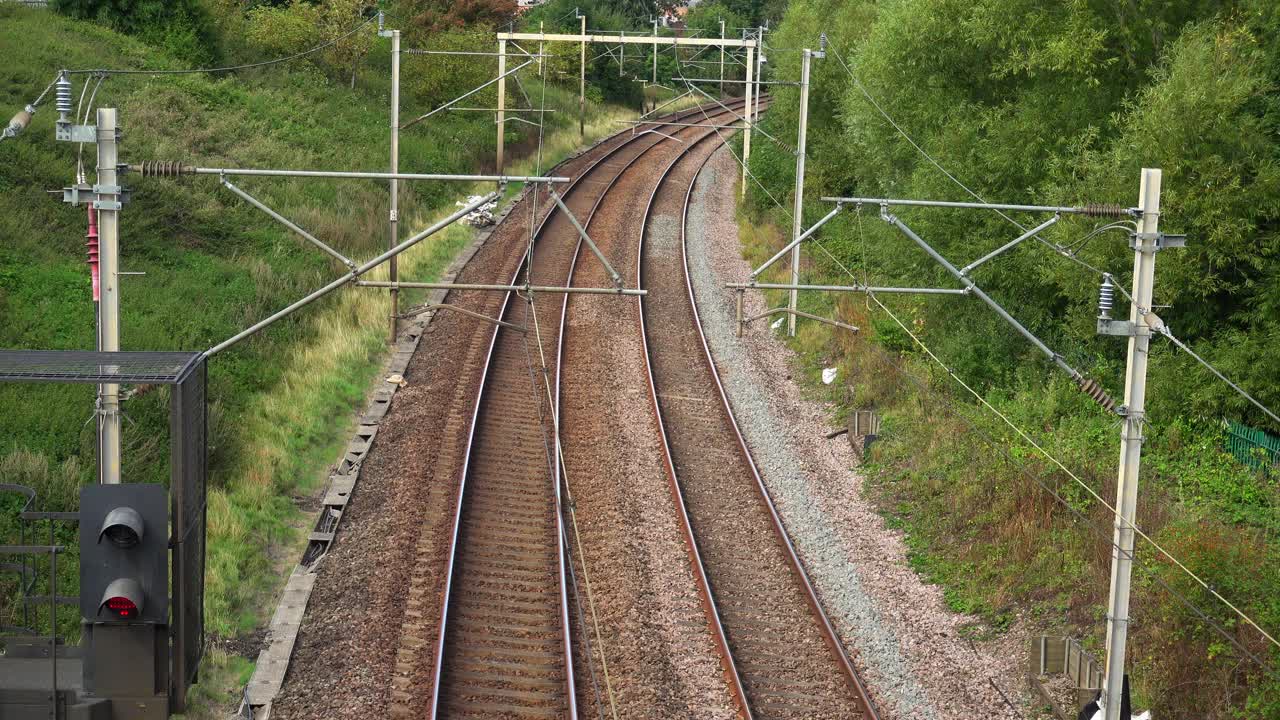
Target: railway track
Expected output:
[787,660]
[503,640]
[661,648]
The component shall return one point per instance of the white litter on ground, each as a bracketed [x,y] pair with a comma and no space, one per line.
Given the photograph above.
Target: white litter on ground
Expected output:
[829,375]
[481,216]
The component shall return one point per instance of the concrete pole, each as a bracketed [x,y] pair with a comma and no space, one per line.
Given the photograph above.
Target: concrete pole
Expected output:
[1135,393]
[655,61]
[797,224]
[109,305]
[542,60]
[759,71]
[746,132]
[393,235]
[502,103]
[582,80]
[722,59]
[622,57]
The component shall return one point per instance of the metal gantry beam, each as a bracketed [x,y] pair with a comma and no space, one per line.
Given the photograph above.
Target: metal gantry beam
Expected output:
[502,288]
[1091,210]
[847,288]
[626,39]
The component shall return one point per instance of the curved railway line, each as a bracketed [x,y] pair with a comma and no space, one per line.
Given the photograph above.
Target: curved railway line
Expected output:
[503,641]
[789,661]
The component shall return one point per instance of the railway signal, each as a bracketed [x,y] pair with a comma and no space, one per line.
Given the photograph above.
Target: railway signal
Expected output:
[124,554]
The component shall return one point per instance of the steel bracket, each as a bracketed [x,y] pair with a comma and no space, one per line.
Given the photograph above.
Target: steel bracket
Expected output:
[94,194]
[1161,241]
[1122,328]
[68,132]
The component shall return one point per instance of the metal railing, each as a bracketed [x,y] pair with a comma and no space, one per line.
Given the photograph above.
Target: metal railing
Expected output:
[1251,446]
[27,568]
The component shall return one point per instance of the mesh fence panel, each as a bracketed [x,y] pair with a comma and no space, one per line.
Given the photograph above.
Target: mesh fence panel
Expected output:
[187,438]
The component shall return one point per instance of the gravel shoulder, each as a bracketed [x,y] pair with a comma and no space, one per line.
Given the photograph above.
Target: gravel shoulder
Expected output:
[912,651]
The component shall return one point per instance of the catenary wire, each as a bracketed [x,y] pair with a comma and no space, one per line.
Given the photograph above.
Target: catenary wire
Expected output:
[1078,515]
[1138,531]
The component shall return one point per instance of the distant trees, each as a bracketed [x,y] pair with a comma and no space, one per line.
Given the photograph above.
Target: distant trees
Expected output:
[434,16]
[180,27]
[298,25]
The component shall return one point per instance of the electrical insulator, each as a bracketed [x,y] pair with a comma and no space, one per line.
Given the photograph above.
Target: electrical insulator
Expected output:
[62,97]
[1090,387]
[1106,298]
[162,168]
[1104,210]
[92,248]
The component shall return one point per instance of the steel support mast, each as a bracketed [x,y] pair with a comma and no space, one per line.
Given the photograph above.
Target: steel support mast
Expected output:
[1145,244]
[108,205]
[746,134]
[502,103]
[582,80]
[797,216]
[393,234]
[722,59]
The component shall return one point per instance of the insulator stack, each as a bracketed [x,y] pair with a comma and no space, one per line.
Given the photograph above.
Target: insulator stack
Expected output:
[1105,210]
[162,168]
[1106,298]
[62,96]
[92,247]
[1090,387]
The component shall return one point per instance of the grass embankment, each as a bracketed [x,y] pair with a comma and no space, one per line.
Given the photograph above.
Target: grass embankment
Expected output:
[281,403]
[968,494]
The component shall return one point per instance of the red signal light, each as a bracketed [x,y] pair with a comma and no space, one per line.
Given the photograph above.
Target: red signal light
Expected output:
[123,607]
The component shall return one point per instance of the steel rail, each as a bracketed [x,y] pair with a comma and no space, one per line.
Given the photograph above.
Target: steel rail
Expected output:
[728,665]
[460,493]
[827,630]
[573,265]
[564,309]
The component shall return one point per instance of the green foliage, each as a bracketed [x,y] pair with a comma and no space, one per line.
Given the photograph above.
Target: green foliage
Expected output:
[431,80]
[299,25]
[180,27]
[707,16]
[1061,104]
[281,402]
[434,16]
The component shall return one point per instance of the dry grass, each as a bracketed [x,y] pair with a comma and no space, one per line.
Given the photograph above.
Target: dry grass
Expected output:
[347,347]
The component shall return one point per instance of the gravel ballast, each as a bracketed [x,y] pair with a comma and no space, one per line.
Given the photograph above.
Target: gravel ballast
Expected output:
[908,645]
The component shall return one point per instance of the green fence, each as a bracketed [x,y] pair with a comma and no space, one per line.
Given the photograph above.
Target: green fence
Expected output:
[1251,446]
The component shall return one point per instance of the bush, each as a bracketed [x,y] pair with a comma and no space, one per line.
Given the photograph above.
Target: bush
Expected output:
[180,27]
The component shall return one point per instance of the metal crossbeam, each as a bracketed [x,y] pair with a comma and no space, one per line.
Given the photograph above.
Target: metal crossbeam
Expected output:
[846,288]
[970,205]
[501,288]
[633,40]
